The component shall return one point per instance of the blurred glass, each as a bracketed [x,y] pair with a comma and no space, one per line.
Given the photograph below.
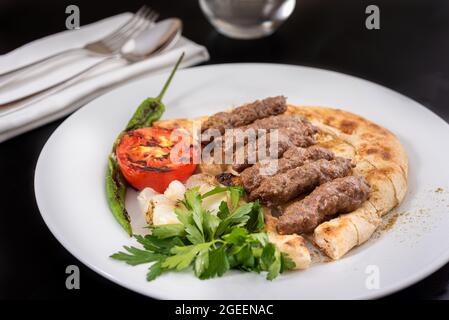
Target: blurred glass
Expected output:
[247,19]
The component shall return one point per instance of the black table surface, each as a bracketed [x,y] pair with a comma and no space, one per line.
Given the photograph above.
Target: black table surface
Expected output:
[408,54]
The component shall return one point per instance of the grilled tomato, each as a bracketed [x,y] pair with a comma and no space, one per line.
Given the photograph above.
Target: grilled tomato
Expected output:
[153,157]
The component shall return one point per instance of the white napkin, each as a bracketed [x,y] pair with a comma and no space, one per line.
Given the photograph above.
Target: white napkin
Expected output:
[22,116]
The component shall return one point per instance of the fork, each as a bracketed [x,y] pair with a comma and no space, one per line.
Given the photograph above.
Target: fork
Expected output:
[108,45]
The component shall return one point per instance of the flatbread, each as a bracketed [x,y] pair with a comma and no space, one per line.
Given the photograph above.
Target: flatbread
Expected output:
[378,156]
[291,244]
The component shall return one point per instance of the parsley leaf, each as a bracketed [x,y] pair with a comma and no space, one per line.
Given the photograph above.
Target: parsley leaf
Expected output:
[164,231]
[218,264]
[210,225]
[275,267]
[268,255]
[256,221]
[193,199]
[155,271]
[245,258]
[286,262]
[236,194]
[237,218]
[238,236]
[184,215]
[193,234]
[238,191]
[136,256]
[260,237]
[158,245]
[210,244]
[223,210]
[183,256]
[201,262]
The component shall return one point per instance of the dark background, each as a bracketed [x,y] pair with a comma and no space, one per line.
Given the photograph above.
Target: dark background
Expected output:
[408,54]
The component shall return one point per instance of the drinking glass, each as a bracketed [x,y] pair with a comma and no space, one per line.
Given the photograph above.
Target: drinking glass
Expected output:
[247,19]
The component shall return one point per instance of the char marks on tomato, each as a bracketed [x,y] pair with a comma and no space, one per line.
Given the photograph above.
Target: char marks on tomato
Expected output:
[145,158]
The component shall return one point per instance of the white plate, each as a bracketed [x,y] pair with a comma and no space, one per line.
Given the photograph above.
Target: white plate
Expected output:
[70,192]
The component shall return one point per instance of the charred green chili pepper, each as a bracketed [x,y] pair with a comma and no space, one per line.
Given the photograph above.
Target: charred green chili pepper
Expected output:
[116,192]
[150,110]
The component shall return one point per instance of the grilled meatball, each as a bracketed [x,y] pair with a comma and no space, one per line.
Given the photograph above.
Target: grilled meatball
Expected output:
[292,130]
[273,122]
[294,157]
[283,121]
[341,195]
[286,138]
[283,187]
[246,114]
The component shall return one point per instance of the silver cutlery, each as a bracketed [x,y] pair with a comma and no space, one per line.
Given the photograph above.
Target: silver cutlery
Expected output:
[108,45]
[153,40]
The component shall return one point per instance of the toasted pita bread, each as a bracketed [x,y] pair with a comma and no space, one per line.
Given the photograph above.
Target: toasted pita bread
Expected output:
[378,156]
[292,244]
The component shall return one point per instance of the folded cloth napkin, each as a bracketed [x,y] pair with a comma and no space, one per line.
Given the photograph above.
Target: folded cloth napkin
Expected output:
[22,116]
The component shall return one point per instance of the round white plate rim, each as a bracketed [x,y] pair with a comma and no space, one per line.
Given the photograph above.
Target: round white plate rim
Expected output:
[435,265]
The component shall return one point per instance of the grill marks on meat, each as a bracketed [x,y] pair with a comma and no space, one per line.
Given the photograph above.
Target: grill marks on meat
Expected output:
[283,121]
[294,157]
[291,130]
[300,124]
[246,114]
[286,186]
[341,195]
[286,138]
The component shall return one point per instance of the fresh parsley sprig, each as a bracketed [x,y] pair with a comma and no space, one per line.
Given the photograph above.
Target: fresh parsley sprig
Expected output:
[212,244]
